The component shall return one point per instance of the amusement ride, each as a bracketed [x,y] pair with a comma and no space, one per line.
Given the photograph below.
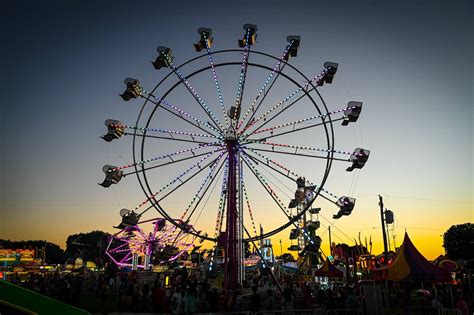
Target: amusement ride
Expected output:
[184,148]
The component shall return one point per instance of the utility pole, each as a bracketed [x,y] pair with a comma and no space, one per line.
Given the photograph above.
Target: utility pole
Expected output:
[330,241]
[383,229]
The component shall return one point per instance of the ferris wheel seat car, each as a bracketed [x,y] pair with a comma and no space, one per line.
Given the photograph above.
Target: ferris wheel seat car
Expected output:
[352,112]
[313,225]
[112,175]
[301,182]
[129,219]
[293,203]
[160,224]
[206,39]
[331,68]
[251,29]
[133,89]
[115,130]
[314,210]
[164,59]
[300,195]
[233,112]
[294,40]
[294,234]
[346,205]
[358,158]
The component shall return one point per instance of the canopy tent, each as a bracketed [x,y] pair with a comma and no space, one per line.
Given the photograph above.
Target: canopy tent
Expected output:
[410,265]
[328,270]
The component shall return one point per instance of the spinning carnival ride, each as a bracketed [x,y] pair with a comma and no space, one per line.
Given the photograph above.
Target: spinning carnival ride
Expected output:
[165,243]
[182,139]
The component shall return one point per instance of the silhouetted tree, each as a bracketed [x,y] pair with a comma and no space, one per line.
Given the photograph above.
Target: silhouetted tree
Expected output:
[89,246]
[458,241]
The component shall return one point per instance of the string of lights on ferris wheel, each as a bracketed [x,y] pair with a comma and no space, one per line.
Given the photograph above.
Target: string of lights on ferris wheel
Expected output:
[206,33]
[243,75]
[220,213]
[266,185]
[319,78]
[208,178]
[288,171]
[297,147]
[293,179]
[178,178]
[159,101]
[248,205]
[164,156]
[198,98]
[308,182]
[299,121]
[184,133]
[207,184]
[262,89]
[274,196]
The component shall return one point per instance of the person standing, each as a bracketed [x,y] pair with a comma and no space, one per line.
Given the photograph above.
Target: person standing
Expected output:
[255,302]
[269,303]
[177,301]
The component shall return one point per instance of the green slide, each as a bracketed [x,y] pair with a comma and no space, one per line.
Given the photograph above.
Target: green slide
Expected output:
[17,300]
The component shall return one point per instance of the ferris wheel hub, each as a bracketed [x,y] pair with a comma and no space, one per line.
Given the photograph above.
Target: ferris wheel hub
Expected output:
[230,134]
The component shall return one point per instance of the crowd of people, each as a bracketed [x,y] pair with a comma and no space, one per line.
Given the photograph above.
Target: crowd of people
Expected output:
[184,293]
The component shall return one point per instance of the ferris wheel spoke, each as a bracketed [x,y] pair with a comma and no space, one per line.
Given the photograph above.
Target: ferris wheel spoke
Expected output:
[273,135]
[171,162]
[245,195]
[182,183]
[170,138]
[265,185]
[286,172]
[166,131]
[317,80]
[152,198]
[301,121]
[207,40]
[215,176]
[193,92]
[293,154]
[277,200]
[246,43]
[203,188]
[168,156]
[220,212]
[295,147]
[278,68]
[178,112]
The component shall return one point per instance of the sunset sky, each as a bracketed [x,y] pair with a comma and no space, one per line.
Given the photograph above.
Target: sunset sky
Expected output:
[409,62]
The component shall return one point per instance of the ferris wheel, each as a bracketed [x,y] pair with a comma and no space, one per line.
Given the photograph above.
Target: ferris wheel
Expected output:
[217,158]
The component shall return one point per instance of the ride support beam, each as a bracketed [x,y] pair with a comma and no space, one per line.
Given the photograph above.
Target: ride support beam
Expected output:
[232,257]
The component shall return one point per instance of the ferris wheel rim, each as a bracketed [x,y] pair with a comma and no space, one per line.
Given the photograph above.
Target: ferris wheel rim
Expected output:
[329,137]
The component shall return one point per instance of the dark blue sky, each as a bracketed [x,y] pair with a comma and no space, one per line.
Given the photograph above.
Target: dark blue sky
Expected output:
[63,63]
